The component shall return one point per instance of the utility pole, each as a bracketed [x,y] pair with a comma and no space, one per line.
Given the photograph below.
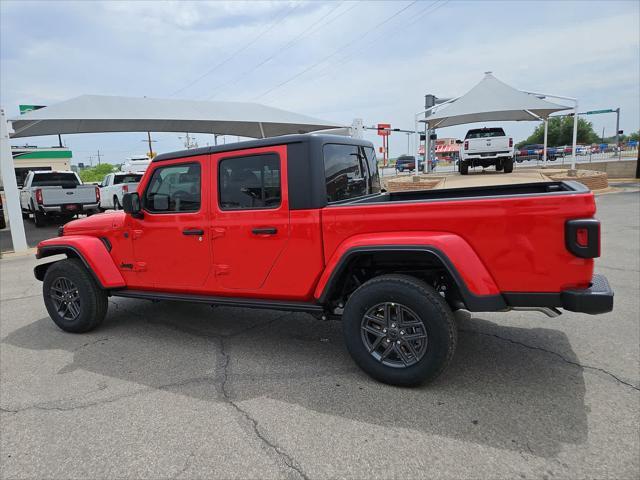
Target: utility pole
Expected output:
[99,156]
[149,141]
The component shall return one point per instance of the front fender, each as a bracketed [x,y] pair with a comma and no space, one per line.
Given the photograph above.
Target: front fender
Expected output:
[90,250]
[463,263]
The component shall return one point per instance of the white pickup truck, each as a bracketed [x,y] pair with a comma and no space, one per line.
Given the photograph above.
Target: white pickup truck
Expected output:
[485,147]
[49,193]
[115,185]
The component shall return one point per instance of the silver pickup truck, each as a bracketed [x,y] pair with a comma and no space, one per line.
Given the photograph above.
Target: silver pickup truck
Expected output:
[49,193]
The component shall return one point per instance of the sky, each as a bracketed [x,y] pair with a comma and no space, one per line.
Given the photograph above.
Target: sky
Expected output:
[333,60]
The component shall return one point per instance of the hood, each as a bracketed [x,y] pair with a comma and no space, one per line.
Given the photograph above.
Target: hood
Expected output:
[97,224]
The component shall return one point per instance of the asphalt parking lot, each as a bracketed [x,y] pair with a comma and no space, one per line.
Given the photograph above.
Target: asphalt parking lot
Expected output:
[166,390]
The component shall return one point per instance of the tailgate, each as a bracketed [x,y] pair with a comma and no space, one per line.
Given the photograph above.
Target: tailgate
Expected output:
[489,144]
[62,196]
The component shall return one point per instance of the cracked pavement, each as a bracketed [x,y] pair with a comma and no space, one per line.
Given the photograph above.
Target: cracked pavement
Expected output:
[169,390]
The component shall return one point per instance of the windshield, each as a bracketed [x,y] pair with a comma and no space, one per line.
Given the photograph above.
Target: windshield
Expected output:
[133,178]
[55,179]
[485,133]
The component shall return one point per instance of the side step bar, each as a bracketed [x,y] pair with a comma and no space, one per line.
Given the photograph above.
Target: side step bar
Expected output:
[225,301]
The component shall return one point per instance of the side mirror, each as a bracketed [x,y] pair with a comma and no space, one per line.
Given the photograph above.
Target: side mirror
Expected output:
[459,142]
[131,204]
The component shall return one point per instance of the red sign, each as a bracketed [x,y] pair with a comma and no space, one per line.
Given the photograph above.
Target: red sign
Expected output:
[383,129]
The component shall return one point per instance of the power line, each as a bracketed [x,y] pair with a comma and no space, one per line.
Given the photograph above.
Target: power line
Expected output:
[347,45]
[305,33]
[348,57]
[239,50]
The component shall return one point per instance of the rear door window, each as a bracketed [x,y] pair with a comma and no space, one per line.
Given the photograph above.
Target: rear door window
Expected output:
[250,182]
[133,178]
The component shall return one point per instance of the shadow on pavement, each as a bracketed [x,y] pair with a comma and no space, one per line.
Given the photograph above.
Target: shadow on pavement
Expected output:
[495,393]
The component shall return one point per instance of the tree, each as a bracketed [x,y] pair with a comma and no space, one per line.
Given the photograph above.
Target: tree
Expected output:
[97,173]
[561,132]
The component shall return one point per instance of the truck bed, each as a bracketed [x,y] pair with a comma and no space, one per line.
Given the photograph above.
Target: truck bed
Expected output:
[517,230]
[484,192]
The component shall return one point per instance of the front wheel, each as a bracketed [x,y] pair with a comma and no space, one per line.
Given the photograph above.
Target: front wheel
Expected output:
[399,330]
[116,203]
[74,300]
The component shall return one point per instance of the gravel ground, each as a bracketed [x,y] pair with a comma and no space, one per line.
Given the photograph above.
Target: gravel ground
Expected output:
[167,390]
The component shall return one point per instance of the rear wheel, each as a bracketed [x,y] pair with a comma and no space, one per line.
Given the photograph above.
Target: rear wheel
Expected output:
[464,168]
[499,165]
[399,330]
[508,165]
[116,203]
[39,219]
[74,300]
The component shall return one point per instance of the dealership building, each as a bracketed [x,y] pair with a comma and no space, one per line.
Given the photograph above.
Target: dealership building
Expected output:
[27,158]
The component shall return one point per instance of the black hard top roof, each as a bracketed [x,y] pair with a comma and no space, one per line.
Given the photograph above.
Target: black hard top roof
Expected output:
[265,142]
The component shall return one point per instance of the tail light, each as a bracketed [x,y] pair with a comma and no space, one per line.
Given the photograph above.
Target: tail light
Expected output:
[97,194]
[466,144]
[510,142]
[125,188]
[582,237]
[39,196]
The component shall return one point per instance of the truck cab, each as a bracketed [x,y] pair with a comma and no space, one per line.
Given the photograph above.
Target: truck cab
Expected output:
[301,223]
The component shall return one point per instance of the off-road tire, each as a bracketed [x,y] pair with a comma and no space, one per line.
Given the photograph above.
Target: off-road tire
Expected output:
[428,305]
[499,165]
[92,299]
[508,165]
[464,168]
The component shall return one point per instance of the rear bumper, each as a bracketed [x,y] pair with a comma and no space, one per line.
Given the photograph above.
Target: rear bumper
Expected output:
[490,156]
[598,298]
[61,208]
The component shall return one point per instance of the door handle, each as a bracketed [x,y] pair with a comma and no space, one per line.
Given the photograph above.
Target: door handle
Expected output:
[265,231]
[193,231]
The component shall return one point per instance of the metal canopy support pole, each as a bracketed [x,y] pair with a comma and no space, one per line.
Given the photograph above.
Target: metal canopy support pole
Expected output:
[11,193]
[575,137]
[544,152]
[261,129]
[618,146]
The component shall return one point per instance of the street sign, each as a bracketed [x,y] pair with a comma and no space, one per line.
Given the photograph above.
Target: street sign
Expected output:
[596,112]
[383,129]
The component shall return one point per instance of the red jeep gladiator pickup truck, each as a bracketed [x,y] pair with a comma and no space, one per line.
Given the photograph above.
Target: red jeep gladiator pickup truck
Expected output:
[301,223]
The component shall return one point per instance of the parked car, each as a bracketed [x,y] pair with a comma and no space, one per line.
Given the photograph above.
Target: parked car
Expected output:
[485,147]
[408,163]
[114,186]
[50,193]
[300,223]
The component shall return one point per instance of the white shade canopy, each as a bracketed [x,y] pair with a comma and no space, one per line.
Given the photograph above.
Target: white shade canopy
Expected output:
[492,100]
[98,113]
